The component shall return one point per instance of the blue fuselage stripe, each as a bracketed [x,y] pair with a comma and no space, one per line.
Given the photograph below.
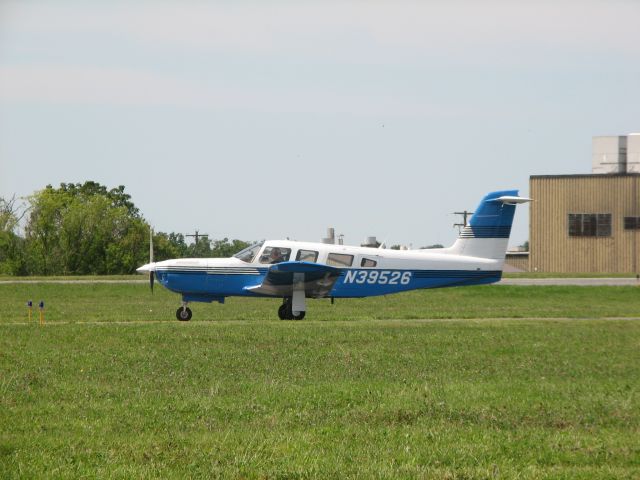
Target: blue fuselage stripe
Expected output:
[350,284]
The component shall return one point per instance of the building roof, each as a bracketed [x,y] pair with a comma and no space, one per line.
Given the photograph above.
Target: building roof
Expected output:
[588,175]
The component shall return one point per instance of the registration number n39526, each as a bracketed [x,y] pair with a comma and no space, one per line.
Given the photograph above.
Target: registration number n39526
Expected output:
[378,277]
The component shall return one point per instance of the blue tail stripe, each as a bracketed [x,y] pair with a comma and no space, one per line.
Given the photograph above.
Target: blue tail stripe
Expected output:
[492,219]
[498,231]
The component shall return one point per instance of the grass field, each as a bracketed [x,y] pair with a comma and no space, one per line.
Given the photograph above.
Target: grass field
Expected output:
[478,382]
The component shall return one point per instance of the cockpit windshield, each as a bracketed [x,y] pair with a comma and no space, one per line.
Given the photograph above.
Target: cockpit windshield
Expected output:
[249,253]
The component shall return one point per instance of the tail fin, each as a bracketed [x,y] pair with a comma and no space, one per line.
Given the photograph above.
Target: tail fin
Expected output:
[487,233]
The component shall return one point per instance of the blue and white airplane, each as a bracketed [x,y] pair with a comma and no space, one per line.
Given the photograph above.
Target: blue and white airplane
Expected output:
[295,271]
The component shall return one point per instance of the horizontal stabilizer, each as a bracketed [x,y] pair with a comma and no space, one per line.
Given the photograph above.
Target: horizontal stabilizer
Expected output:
[512,200]
[317,280]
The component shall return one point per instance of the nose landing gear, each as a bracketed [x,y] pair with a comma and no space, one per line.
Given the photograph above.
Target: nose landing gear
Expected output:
[184,313]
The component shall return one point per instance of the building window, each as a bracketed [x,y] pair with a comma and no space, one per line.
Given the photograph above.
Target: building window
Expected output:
[575,225]
[604,225]
[632,223]
[589,224]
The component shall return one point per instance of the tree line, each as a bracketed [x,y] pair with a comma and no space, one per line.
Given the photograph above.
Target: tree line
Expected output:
[87,229]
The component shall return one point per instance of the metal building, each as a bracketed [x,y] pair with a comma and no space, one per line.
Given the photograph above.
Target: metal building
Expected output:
[589,223]
[516,262]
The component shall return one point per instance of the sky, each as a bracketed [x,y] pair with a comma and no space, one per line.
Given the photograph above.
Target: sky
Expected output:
[278,119]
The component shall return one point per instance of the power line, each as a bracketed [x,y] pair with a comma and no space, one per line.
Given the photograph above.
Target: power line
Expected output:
[198,235]
[465,214]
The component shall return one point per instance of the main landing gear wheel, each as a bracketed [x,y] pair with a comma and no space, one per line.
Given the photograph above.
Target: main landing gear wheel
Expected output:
[184,314]
[285,311]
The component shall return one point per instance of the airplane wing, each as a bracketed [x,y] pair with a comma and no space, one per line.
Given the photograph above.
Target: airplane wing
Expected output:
[282,278]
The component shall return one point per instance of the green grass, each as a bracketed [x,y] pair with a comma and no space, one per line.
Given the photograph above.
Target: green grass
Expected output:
[362,389]
[566,275]
[71,278]
[133,302]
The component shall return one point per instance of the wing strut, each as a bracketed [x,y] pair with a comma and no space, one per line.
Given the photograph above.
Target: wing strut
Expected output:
[294,282]
[298,299]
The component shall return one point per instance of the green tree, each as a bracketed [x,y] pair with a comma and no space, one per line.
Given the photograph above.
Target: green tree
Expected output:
[173,245]
[225,248]
[169,245]
[84,229]
[12,260]
[42,241]
[202,249]
[88,189]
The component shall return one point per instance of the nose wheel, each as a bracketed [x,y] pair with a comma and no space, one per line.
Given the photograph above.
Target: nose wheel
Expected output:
[285,312]
[184,313]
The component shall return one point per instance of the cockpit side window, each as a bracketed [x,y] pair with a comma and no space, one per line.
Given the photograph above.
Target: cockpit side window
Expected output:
[339,260]
[275,255]
[368,263]
[307,256]
[249,253]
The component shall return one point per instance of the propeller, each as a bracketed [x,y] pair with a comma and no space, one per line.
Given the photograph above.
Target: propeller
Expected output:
[152,272]
[150,267]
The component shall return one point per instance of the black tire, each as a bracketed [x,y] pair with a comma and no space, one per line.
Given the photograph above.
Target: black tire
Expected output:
[299,316]
[282,312]
[184,314]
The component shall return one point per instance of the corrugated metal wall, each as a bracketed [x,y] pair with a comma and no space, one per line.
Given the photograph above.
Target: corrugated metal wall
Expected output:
[551,247]
[519,261]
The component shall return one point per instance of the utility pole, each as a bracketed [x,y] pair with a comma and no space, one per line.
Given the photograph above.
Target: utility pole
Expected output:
[197,236]
[465,214]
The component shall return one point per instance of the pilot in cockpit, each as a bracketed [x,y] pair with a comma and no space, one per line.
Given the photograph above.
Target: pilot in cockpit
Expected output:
[276,256]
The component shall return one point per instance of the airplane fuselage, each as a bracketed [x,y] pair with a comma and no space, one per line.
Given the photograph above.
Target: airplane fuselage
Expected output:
[295,271]
[363,271]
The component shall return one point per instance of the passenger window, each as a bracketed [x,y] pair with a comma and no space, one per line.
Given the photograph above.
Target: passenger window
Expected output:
[339,260]
[275,255]
[307,256]
[367,262]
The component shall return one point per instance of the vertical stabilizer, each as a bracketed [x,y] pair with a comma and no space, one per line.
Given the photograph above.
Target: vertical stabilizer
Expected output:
[487,233]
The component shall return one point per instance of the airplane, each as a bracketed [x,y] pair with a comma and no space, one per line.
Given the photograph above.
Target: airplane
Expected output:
[295,271]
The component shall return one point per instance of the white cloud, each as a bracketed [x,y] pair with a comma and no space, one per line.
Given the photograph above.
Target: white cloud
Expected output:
[329,36]
[336,27]
[63,84]
[81,85]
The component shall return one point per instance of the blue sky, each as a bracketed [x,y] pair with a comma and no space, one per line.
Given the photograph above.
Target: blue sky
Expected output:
[278,119]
